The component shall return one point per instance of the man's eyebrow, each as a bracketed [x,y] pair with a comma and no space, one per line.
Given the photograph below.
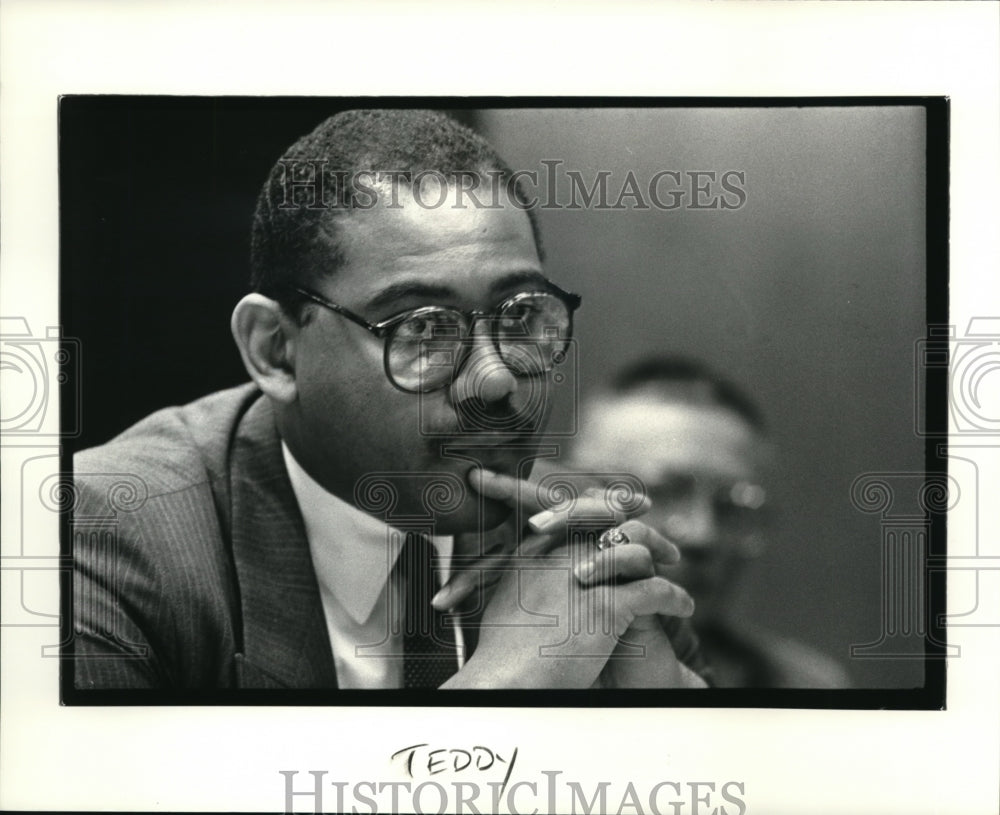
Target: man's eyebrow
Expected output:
[536,280]
[414,288]
[399,291]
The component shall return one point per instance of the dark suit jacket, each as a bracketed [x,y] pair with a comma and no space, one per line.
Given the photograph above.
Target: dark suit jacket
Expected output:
[745,656]
[205,580]
[192,567]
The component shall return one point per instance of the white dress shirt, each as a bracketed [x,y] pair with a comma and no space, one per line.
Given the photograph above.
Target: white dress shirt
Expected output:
[353,554]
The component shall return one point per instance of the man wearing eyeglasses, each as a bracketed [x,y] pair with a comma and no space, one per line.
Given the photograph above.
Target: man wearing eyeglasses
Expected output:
[358,517]
[700,446]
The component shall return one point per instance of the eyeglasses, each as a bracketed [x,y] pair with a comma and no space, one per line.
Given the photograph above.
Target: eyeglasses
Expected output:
[739,509]
[426,347]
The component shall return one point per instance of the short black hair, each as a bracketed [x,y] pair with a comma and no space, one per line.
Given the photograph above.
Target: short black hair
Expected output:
[284,236]
[690,381]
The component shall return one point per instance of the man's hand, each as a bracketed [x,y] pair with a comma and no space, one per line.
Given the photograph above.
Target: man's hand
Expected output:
[544,629]
[559,612]
[649,553]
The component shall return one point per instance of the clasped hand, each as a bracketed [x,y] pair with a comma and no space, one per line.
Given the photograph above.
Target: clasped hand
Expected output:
[565,614]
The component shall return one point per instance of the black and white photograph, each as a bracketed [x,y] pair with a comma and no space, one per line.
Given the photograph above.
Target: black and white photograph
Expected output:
[422,409]
[614,392]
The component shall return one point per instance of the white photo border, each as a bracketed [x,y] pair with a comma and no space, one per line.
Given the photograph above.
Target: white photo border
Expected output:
[229,759]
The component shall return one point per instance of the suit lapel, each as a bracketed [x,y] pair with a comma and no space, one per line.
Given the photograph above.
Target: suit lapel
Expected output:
[285,641]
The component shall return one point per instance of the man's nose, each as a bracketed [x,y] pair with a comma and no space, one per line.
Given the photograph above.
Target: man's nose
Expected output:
[484,379]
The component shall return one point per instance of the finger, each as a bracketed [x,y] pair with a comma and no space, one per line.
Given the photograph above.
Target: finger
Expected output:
[593,503]
[624,562]
[663,551]
[621,562]
[629,561]
[654,595]
[462,582]
[505,488]
[539,545]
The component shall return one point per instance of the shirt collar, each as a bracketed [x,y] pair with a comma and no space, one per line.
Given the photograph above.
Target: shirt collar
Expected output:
[353,552]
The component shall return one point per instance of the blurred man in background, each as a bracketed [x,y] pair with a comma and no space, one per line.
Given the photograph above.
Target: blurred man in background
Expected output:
[700,446]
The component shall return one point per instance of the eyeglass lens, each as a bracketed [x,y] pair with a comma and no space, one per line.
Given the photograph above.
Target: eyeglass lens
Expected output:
[737,507]
[426,350]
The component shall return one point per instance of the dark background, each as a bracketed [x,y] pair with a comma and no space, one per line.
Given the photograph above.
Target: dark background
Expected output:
[811,296]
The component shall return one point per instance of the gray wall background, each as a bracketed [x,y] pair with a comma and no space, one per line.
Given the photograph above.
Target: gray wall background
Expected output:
[811,296]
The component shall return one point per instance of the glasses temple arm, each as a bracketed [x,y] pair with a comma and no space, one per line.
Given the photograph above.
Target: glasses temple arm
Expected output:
[343,312]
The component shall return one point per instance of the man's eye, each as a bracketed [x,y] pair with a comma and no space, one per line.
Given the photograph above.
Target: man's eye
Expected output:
[416,328]
[520,311]
[673,488]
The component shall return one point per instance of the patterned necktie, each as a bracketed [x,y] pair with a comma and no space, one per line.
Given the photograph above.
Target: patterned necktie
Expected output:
[430,654]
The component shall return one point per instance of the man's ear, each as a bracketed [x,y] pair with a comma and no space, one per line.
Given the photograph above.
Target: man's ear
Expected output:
[266,338]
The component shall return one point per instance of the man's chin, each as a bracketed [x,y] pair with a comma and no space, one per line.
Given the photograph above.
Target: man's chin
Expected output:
[473,516]
[511,456]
